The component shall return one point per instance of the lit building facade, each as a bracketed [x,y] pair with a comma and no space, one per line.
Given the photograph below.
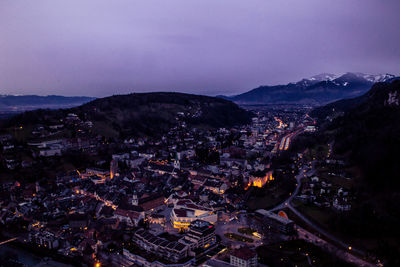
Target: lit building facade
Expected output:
[260,181]
[185,212]
[200,234]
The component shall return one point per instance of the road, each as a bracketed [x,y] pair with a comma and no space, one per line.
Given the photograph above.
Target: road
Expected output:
[9,240]
[286,203]
[343,253]
[340,253]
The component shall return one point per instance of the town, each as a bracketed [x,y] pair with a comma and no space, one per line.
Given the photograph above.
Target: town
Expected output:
[192,197]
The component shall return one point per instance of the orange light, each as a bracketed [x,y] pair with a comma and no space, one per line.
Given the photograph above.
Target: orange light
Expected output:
[283,214]
[260,181]
[98,264]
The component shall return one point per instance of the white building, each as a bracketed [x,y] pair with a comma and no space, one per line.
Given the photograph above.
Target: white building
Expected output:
[185,212]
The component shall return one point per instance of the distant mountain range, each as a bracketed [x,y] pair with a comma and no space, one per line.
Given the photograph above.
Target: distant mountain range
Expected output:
[317,90]
[12,103]
[144,114]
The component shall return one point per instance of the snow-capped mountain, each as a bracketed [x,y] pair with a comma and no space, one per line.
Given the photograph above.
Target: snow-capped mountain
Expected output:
[323,77]
[318,89]
[376,78]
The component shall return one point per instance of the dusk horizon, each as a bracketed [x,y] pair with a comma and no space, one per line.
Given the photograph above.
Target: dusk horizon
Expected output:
[207,93]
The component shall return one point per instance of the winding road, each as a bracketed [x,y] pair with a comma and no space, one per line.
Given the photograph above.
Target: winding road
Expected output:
[344,254]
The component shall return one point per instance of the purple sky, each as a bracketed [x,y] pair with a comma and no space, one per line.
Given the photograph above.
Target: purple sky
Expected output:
[103,47]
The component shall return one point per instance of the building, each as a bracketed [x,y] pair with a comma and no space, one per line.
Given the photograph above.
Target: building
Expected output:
[91,172]
[157,219]
[216,186]
[243,257]
[171,250]
[185,212]
[341,204]
[200,234]
[78,220]
[265,221]
[260,178]
[132,259]
[113,168]
[44,238]
[162,169]
[216,263]
[151,203]
[54,150]
[130,217]
[310,129]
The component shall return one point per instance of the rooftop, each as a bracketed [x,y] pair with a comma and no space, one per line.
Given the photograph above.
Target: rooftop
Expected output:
[244,253]
[274,216]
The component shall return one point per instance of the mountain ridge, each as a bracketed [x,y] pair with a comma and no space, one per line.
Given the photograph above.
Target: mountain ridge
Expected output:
[317,90]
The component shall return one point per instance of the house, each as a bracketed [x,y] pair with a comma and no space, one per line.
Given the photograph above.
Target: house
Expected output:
[243,257]
[197,179]
[153,202]
[217,186]
[162,169]
[341,204]
[43,238]
[78,220]
[51,151]
[130,217]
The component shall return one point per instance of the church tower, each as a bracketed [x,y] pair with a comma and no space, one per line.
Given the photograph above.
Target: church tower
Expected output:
[177,164]
[135,200]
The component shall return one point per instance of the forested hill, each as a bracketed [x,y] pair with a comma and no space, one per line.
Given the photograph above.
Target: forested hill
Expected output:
[366,135]
[145,113]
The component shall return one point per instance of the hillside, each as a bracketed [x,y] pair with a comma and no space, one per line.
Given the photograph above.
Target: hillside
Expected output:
[147,114]
[369,129]
[367,136]
[339,107]
[12,103]
[317,90]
